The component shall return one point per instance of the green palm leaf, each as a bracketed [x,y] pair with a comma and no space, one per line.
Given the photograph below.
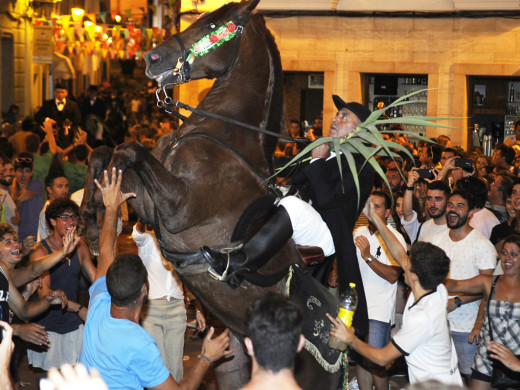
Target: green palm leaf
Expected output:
[368,141]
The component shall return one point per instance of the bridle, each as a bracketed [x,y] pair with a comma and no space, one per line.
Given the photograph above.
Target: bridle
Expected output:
[182,72]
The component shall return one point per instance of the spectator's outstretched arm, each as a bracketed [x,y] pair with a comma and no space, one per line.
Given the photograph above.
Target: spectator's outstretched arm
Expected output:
[212,350]
[413,176]
[41,261]
[396,249]
[112,198]
[380,356]
[27,310]
[48,128]
[6,350]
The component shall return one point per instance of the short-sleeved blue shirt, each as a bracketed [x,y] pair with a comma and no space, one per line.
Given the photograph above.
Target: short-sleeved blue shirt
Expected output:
[125,354]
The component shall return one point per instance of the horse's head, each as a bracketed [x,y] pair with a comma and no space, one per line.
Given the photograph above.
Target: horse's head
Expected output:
[203,50]
[92,208]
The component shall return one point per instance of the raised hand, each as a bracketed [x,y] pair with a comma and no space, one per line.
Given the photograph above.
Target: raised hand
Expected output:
[413,176]
[48,125]
[369,210]
[70,240]
[111,189]
[364,246]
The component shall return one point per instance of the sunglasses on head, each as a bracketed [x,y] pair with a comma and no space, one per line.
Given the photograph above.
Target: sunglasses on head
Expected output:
[23,160]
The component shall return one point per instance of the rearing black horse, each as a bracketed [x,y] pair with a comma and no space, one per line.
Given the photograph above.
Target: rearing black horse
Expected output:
[196,184]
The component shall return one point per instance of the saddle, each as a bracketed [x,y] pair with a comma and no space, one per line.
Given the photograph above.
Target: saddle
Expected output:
[234,269]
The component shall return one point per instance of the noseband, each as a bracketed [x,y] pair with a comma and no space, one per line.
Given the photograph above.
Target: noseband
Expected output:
[224,33]
[181,72]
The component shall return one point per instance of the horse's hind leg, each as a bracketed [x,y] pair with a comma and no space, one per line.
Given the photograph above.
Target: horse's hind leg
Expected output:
[234,373]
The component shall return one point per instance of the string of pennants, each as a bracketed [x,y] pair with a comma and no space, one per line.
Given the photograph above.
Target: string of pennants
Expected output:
[114,41]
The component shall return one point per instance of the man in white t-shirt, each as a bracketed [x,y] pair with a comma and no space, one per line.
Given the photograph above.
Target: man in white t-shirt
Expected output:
[471,254]
[482,219]
[438,192]
[57,186]
[424,337]
[379,272]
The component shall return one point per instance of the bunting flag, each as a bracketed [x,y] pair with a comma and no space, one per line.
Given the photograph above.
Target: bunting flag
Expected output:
[128,13]
[71,34]
[114,41]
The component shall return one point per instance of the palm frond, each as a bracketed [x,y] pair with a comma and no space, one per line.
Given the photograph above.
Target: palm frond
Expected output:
[368,141]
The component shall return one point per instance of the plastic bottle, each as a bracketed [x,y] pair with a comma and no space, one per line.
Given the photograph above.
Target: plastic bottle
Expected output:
[347,308]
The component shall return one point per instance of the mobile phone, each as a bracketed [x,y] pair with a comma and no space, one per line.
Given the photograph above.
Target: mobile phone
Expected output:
[426,173]
[464,163]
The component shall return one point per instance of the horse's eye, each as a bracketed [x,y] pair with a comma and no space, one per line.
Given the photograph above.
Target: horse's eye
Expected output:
[212,26]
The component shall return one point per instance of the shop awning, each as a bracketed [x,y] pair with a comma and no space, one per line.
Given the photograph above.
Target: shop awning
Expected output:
[61,67]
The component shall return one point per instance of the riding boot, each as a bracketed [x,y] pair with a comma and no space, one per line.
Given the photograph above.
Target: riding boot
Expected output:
[253,254]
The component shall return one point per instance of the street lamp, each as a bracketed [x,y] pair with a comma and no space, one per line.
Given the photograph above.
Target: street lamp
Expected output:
[77,14]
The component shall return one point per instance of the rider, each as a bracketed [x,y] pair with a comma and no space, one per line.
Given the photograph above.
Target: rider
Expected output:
[333,196]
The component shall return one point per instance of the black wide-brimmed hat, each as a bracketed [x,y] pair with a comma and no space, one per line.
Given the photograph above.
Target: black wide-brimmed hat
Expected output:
[361,111]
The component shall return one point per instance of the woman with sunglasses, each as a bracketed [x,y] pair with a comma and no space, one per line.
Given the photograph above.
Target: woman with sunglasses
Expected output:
[65,329]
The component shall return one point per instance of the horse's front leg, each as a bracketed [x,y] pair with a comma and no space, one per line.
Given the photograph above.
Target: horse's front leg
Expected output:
[166,191]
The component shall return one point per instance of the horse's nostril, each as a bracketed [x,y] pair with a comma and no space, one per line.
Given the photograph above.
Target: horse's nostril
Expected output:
[155,57]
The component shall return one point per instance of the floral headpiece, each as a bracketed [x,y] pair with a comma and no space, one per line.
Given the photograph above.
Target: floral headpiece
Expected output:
[211,41]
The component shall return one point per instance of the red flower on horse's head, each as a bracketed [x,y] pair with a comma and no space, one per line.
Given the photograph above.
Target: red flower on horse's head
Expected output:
[213,39]
[231,27]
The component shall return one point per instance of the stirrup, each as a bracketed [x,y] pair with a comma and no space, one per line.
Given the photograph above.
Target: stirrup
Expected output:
[226,251]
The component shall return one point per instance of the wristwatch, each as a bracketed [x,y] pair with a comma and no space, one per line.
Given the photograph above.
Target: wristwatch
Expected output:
[408,188]
[458,302]
[370,259]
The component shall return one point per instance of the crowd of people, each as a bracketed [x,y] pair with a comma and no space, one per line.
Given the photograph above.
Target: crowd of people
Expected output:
[423,255]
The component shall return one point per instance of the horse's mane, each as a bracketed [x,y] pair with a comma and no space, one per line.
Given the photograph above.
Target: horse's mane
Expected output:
[275,86]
